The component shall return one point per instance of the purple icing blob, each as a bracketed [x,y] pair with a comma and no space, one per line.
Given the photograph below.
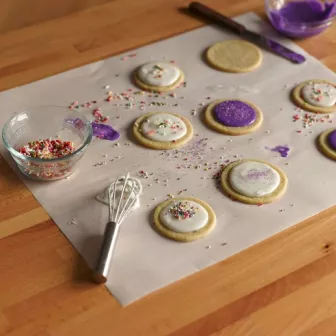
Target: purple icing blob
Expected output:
[234,113]
[332,140]
[302,18]
[282,150]
[104,131]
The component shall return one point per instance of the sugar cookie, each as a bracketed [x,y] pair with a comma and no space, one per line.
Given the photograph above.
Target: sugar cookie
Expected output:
[316,95]
[327,143]
[253,181]
[234,56]
[158,76]
[162,130]
[233,117]
[184,218]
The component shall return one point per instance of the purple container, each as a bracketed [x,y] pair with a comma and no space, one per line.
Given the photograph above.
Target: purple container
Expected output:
[301,18]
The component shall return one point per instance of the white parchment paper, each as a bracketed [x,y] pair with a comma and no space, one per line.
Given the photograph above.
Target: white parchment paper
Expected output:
[144,261]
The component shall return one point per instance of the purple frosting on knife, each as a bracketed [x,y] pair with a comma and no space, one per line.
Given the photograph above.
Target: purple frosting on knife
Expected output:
[332,140]
[234,113]
[103,131]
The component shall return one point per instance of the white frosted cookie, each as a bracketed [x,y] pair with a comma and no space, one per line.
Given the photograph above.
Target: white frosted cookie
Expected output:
[158,76]
[162,130]
[316,95]
[234,56]
[253,181]
[184,218]
[133,186]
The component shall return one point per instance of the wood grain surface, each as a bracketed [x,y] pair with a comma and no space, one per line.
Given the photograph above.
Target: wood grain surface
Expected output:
[283,286]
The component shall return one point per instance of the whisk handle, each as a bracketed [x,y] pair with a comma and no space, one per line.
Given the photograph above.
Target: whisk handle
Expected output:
[106,252]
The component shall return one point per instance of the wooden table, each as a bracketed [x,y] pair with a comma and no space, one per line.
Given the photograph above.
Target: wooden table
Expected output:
[283,286]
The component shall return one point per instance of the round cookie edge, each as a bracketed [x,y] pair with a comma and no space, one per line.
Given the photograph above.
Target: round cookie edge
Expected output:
[270,198]
[217,126]
[189,236]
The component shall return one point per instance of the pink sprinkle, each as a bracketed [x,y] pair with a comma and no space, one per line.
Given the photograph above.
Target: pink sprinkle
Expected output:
[130,90]
[132,55]
[172,62]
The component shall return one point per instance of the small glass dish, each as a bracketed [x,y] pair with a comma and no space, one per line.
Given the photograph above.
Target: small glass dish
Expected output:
[300,19]
[47,122]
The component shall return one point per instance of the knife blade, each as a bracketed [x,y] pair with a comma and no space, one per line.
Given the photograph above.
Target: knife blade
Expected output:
[262,41]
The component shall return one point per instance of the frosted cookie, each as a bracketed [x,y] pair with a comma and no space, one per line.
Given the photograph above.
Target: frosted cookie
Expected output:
[233,117]
[316,95]
[234,56]
[184,218]
[327,143]
[133,187]
[162,130]
[253,181]
[158,76]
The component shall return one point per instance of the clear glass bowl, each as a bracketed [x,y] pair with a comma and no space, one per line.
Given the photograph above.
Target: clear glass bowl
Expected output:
[46,122]
[300,18]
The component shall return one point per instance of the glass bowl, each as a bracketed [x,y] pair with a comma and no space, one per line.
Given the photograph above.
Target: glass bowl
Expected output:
[300,19]
[47,122]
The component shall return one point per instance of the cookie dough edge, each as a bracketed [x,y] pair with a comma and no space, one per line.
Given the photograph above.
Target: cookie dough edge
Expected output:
[184,237]
[296,96]
[147,87]
[275,195]
[235,69]
[324,145]
[162,145]
[215,125]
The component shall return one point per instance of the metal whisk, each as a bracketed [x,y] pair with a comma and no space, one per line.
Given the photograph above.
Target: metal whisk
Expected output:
[127,189]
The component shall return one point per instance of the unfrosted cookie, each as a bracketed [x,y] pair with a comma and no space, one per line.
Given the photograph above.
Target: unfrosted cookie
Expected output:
[158,76]
[316,95]
[327,143]
[234,56]
[253,181]
[233,117]
[184,218]
[162,130]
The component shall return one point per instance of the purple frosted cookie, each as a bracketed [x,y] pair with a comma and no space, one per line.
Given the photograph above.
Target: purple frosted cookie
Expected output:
[234,113]
[327,143]
[233,116]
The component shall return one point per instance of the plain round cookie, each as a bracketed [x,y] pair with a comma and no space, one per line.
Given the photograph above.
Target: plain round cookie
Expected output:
[147,87]
[211,121]
[297,98]
[161,144]
[324,146]
[275,195]
[234,56]
[189,236]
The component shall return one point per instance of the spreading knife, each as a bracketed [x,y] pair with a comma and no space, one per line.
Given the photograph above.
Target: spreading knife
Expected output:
[262,41]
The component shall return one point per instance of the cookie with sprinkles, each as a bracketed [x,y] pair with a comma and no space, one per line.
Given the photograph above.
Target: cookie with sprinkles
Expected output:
[184,218]
[158,76]
[327,143]
[316,95]
[253,181]
[233,116]
[162,130]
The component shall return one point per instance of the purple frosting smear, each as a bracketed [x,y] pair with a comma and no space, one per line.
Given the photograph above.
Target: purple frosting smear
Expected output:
[234,113]
[282,150]
[103,131]
[332,140]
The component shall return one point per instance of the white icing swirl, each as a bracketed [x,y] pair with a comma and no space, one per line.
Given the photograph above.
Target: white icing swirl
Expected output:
[319,94]
[254,179]
[163,127]
[198,221]
[104,196]
[159,74]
